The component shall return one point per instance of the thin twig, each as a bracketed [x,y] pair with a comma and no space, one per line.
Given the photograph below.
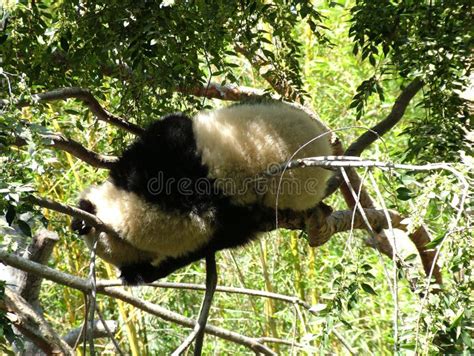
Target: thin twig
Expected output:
[109,332]
[394,259]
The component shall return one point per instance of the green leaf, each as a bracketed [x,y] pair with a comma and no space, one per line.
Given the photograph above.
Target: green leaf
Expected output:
[372,60]
[435,242]
[10,215]
[24,227]
[404,193]
[368,289]
[408,346]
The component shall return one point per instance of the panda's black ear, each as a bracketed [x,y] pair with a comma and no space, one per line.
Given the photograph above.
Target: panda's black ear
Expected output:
[78,225]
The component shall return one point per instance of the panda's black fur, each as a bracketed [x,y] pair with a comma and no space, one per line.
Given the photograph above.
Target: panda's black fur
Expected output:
[168,148]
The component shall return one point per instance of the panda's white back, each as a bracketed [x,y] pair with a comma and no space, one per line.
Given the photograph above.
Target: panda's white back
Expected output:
[242,141]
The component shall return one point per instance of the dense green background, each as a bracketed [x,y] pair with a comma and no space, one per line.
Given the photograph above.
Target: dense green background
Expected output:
[349,60]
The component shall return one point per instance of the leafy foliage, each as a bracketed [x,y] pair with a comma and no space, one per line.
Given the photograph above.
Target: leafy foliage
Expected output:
[140,59]
[425,39]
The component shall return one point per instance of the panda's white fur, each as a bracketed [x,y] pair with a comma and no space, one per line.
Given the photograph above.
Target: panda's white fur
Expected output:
[142,224]
[239,142]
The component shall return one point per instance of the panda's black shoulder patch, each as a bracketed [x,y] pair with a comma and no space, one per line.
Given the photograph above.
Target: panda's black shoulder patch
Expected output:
[163,165]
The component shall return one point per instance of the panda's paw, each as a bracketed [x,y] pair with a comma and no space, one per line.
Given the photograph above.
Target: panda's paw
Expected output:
[136,274]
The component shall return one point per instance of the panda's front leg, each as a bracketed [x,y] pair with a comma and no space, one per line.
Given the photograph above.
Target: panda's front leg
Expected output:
[147,272]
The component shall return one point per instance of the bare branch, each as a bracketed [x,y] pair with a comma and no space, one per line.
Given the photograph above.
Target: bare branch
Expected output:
[32,325]
[85,286]
[99,331]
[396,114]
[76,149]
[347,161]
[340,221]
[87,98]
[421,238]
[245,291]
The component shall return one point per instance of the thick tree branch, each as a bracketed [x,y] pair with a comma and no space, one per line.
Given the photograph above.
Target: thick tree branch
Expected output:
[222,92]
[74,148]
[32,325]
[87,98]
[85,286]
[396,114]
[227,92]
[419,238]
[29,285]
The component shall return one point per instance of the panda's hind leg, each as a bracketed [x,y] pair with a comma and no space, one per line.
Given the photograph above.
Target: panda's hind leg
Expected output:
[316,226]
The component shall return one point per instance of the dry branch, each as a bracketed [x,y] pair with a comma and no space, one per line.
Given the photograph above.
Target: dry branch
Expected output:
[40,249]
[31,324]
[87,98]
[85,286]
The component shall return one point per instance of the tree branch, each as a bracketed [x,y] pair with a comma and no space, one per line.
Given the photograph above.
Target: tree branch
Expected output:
[40,249]
[396,114]
[63,143]
[31,324]
[76,212]
[419,238]
[212,91]
[222,92]
[99,331]
[85,286]
[87,98]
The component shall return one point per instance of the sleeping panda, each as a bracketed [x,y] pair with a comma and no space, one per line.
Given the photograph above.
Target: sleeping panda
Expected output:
[192,186]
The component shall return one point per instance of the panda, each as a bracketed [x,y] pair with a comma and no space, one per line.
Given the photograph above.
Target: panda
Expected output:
[188,187]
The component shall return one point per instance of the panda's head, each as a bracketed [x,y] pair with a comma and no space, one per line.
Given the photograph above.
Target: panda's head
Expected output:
[77,224]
